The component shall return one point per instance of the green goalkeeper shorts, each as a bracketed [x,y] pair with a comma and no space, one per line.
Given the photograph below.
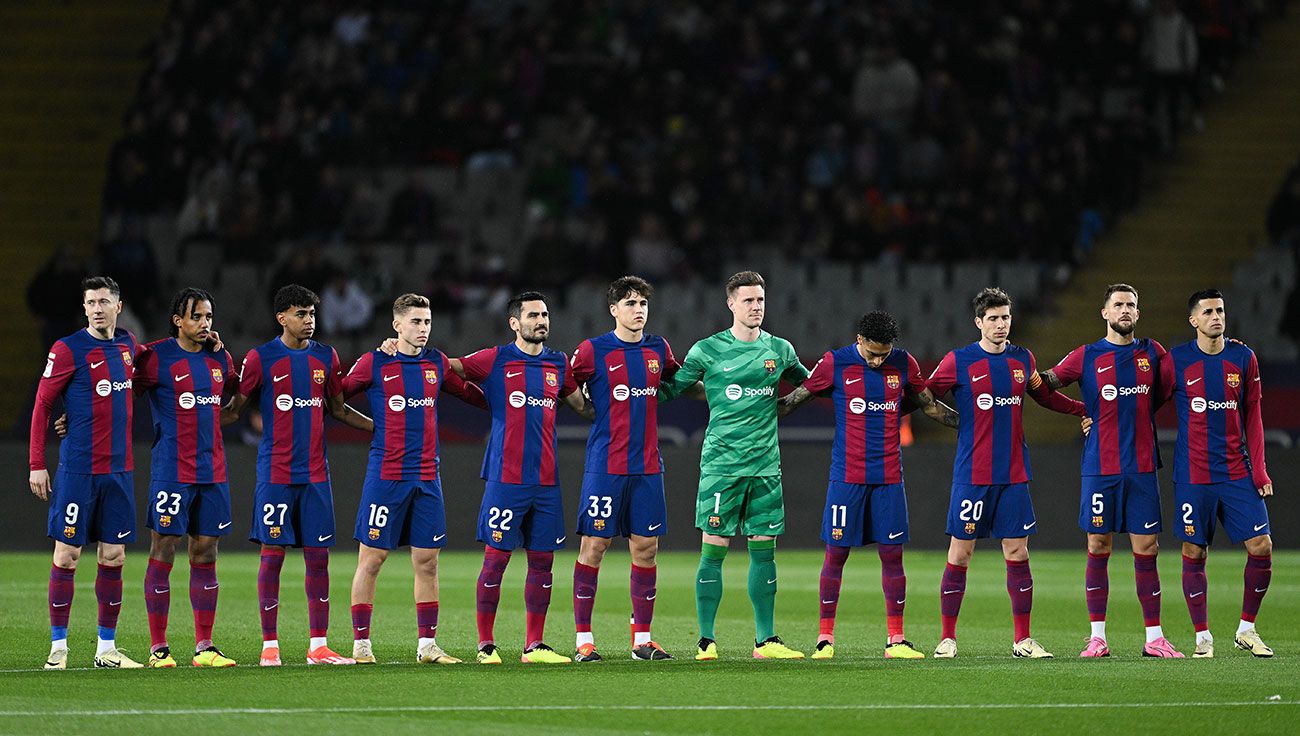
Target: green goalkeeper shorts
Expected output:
[748,505]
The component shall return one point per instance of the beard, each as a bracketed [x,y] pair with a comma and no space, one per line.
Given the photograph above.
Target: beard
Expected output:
[1123,329]
[533,337]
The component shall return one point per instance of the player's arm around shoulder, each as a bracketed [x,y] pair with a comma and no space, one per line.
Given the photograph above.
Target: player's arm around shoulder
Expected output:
[687,379]
[818,382]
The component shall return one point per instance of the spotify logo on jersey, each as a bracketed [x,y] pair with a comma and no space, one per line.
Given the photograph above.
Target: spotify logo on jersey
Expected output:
[186,400]
[857,405]
[984,401]
[284,402]
[1109,393]
[517,399]
[620,392]
[397,403]
[734,391]
[104,387]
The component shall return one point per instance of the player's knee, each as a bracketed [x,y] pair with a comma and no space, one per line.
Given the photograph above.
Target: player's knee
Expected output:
[1101,544]
[1261,546]
[66,556]
[163,548]
[592,551]
[959,555]
[1015,550]
[112,555]
[1145,544]
[644,551]
[203,550]
[425,561]
[1194,551]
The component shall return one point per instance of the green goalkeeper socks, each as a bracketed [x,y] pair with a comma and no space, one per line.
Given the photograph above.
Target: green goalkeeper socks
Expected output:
[762,587]
[708,587]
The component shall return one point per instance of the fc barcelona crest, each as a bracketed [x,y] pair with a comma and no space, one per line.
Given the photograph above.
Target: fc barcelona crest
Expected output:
[431,375]
[126,357]
[69,531]
[837,534]
[1189,530]
[970,527]
[1234,380]
[164,520]
[318,375]
[552,379]
[652,365]
[274,532]
[1098,521]
[374,533]
[715,521]
[892,381]
[496,535]
[599,524]
[770,365]
[1143,363]
[1018,374]
[217,376]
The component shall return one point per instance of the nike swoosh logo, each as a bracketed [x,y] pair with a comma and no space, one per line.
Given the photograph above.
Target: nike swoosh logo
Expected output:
[613,368]
[773,526]
[490,585]
[1094,588]
[389,378]
[896,535]
[1103,370]
[950,592]
[160,591]
[1193,595]
[223,526]
[58,605]
[363,628]
[773,580]
[850,382]
[827,603]
[267,608]
[1193,382]
[561,540]
[1149,525]
[96,365]
[210,587]
[1261,526]
[115,603]
[584,597]
[1260,590]
[708,581]
[326,599]
[981,376]
[728,369]
[901,602]
[1022,590]
[651,597]
[1155,594]
[546,585]
[1030,525]
[653,527]
[178,379]
[439,538]
[124,535]
[277,379]
[512,375]
[322,539]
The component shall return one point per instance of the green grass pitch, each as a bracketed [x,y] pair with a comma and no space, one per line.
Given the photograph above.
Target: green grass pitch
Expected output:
[983,691]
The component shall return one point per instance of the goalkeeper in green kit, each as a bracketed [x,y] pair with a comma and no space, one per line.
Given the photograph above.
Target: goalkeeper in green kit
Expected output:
[740,465]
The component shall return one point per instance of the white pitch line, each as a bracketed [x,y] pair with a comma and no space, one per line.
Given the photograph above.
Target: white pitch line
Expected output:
[508,708]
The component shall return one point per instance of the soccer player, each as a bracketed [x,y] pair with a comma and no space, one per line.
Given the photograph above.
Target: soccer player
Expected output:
[1219,468]
[990,484]
[524,382]
[92,498]
[868,381]
[297,380]
[623,485]
[1119,378]
[184,379]
[740,464]
[401,501]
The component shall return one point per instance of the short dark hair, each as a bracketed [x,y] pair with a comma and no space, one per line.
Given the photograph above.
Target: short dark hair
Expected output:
[407,302]
[620,287]
[878,326]
[91,283]
[1198,296]
[184,303]
[744,278]
[1118,287]
[515,306]
[989,298]
[292,296]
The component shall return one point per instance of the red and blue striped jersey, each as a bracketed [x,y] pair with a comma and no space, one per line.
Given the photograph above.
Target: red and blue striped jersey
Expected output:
[95,379]
[1220,428]
[523,392]
[185,397]
[989,390]
[294,386]
[403,392]
[622,381]
[1120,385]
[868,406]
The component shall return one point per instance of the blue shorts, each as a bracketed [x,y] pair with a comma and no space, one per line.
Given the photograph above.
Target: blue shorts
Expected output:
[622,505]
[398,513]
[293,515]
[1127,502]
[1236,503]
[85,509]
[198,509]
[528,516]
[1000,511]
[858,514]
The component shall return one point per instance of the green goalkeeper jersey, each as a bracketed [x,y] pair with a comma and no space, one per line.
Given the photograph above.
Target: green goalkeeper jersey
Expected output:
[740,383]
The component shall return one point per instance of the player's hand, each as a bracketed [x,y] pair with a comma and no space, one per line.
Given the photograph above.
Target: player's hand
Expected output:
[1266,491]
[1086,425]
[39,480]
[61,426]
[214,341]
[388,347]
